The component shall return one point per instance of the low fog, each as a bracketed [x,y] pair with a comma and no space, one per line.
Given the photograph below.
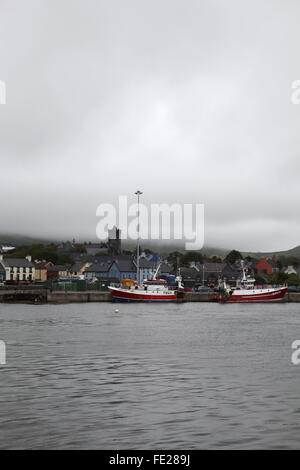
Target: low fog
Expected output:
[188,101]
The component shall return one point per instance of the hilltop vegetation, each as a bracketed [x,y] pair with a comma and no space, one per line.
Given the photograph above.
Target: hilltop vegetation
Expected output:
[36,251]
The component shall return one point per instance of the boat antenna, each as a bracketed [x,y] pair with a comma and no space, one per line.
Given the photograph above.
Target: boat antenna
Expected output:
[138,194]
[156,272]
[244,277]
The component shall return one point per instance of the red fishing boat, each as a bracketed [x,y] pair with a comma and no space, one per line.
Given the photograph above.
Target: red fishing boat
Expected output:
[245,291]
[155,290]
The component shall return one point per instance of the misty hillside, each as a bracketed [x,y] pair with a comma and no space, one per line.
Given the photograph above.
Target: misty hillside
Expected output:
[162,247]
[292,252]
[18,240]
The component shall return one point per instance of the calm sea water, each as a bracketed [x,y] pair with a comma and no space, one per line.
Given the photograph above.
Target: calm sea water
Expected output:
[151,376]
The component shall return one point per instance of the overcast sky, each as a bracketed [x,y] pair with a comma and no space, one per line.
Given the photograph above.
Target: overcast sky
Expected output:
[189,101]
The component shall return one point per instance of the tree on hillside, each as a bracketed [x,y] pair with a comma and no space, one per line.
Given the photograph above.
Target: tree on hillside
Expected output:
[233,256]
[78,249]
[64,259]
[278,278]
[214,259]
[259,279]
[189,256]
[36,251]
[293,280]
[288,261]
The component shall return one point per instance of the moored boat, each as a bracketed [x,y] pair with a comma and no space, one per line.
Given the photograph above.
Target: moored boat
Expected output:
[155,290]
[245,291]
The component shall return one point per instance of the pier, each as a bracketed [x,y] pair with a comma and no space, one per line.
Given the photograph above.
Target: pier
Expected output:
[58,297]
[42,296]
[32,296]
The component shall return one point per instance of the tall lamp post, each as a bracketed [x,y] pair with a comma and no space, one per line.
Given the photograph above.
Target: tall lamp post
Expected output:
[138,194]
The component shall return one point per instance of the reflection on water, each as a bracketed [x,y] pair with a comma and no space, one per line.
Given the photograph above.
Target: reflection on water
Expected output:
[151,376]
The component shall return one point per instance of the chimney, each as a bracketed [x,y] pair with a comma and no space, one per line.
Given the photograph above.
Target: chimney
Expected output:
[28,257]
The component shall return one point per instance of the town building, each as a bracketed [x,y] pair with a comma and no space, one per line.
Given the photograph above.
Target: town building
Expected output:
[147,269]
[126,267]
[230,274]
[210,273]
[100,270]
[114,241]
[191,277]
[2,274]
[41,268]
[17,269]
[291,270]
[117,269]
[265,267]
[55,272]
[165,269]
[94,249]
[78,269]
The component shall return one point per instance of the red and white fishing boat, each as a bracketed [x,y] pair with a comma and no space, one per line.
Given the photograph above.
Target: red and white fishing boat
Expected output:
[155,290]
[245,291]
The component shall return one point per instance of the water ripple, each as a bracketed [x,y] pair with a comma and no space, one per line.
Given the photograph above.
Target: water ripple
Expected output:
[188,376]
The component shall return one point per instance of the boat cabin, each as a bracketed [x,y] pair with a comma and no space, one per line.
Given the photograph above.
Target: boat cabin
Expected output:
[155,284]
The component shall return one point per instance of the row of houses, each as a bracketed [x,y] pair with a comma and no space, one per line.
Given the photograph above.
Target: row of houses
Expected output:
[125,267]
[208,273]
[267,267]
[114,268]
[25,270]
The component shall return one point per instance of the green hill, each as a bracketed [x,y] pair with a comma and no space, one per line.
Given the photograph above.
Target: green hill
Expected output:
[21,240]
[269,254]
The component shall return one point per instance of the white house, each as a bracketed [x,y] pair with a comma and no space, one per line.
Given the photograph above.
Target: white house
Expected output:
[18,269]
[290,270]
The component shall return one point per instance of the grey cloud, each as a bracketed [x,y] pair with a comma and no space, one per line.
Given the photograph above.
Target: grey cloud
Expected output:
[188,100]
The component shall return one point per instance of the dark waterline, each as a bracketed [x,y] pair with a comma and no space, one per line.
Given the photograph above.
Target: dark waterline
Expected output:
[151,376]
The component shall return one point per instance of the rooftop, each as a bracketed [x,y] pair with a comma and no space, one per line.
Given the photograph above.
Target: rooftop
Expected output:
[17,263]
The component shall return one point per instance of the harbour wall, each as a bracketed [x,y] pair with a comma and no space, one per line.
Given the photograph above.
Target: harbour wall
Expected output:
[292,297]
[86,296]
[59,297]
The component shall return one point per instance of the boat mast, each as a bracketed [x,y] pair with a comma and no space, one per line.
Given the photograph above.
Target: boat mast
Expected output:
[138,194]
[156,272]
[244,276]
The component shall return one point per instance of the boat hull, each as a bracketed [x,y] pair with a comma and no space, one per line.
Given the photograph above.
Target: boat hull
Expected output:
[124,295]
[258,295]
